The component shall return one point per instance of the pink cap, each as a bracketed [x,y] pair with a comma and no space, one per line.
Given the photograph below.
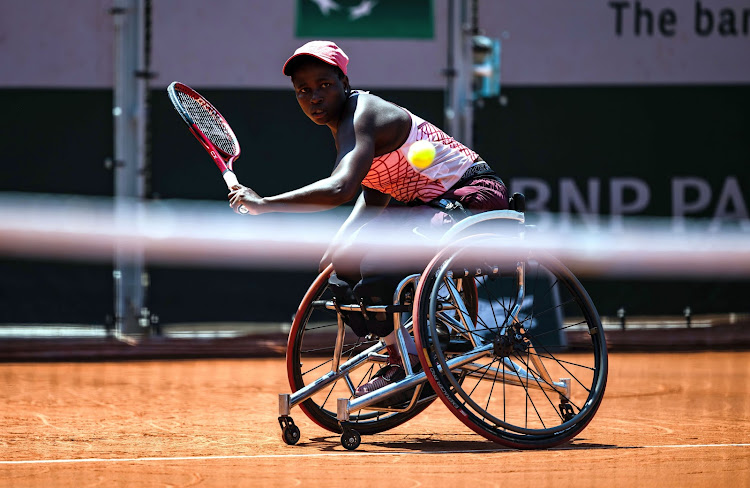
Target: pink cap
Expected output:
[326,51]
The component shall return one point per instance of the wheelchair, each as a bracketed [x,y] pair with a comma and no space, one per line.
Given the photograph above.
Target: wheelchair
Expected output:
[511,343]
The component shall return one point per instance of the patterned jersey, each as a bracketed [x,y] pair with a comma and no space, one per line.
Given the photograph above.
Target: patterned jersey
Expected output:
[392,173]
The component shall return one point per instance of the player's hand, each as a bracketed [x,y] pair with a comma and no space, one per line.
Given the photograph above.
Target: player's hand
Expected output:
[246,197]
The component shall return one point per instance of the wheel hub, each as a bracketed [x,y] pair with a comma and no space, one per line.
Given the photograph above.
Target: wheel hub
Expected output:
[512,342]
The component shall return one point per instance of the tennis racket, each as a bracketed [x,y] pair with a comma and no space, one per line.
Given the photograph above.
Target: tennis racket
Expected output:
[210,128]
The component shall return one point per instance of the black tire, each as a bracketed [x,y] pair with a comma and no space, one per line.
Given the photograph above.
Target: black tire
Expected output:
[309,353]
[351,439]
[558,327]
[290,434]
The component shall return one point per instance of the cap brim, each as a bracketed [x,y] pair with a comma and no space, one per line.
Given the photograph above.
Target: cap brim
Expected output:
[286,65]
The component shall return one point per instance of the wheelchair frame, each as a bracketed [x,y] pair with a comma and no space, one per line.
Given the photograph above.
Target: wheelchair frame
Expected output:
[464,323]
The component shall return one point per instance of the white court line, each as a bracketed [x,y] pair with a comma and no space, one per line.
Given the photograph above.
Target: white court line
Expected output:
[351,453]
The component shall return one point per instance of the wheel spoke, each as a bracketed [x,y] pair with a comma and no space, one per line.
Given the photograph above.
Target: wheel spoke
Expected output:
[544,392]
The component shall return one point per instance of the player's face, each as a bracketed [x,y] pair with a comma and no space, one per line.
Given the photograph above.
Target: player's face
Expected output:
[320,92]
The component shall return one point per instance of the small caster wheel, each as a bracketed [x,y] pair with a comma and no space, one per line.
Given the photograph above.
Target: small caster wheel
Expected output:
[290,434]
[289,431]
[350,439]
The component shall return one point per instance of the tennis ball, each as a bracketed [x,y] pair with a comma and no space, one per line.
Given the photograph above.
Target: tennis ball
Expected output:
[421,154]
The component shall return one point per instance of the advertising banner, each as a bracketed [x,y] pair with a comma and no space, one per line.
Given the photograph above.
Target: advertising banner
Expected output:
[365,18]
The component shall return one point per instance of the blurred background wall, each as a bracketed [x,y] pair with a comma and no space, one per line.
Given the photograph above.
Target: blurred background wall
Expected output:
[606,108]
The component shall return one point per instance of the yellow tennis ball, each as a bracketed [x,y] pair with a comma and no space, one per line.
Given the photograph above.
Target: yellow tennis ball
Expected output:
[421,154]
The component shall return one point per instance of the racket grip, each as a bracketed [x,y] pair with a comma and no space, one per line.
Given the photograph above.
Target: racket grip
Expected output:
[231,180]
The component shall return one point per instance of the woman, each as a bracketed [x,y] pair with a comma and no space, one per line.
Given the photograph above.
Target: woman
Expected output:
[372,139]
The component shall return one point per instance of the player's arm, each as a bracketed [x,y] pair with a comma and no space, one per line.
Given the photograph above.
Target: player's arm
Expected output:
[368,206]
[356,149]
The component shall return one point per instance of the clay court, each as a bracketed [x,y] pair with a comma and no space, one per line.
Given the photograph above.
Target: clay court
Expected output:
[144,324]
[674,419]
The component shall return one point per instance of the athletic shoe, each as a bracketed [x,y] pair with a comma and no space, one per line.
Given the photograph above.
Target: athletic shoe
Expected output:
[388,374]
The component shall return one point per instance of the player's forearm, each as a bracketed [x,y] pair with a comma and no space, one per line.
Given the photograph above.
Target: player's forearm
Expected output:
[321,195]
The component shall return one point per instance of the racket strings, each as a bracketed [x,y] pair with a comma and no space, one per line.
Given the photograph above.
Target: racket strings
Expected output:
[210,123]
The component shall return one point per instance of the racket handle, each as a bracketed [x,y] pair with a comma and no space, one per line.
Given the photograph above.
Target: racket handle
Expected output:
[231,180]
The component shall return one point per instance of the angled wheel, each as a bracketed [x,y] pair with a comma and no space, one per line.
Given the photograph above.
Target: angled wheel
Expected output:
[350,439]
[310,352]
[290,434]
[532,368]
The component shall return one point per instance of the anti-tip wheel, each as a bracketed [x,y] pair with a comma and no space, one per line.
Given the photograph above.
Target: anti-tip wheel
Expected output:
[350,439]
[290,434]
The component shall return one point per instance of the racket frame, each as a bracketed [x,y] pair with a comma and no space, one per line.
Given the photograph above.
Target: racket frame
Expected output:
[223,160]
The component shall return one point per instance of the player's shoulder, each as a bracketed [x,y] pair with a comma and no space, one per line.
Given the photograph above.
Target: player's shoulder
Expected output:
[371,107]
[364,102]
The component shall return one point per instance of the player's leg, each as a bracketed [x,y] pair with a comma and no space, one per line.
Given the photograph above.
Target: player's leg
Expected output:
[377,285]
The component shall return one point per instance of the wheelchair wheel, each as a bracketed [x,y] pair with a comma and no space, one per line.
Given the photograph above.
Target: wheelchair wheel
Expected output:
[310,351]
[531,370]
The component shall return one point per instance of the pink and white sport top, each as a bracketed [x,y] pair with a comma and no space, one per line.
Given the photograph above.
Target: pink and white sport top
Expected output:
[392,173]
